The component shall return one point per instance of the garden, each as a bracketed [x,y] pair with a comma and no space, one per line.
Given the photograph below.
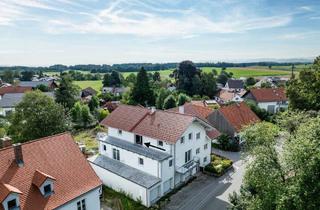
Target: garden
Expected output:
[218,165]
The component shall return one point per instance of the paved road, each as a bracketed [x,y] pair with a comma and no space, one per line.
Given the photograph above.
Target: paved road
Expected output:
[209,193]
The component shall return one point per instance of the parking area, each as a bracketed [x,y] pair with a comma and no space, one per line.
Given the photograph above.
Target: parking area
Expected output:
[210,193]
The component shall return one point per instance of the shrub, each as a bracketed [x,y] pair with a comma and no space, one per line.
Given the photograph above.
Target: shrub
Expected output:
[225,142]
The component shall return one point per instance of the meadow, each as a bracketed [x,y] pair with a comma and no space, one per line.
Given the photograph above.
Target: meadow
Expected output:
[252,71]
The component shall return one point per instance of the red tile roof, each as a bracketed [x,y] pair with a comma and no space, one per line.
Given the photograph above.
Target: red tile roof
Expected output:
[5,190]
[164,125]
[200,112]
[269,94]
[58,156]
[239,115]
[14,89]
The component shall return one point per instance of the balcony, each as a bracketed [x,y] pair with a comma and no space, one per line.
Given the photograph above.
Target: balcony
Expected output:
[188,166]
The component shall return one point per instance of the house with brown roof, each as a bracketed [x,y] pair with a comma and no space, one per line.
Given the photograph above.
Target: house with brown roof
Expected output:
[269,99]
[13,89]
[201,112]
[47,173]
[231,119]
[147,152]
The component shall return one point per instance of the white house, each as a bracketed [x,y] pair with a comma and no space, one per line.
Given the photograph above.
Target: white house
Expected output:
[48,173]
[147,153]
[269,99]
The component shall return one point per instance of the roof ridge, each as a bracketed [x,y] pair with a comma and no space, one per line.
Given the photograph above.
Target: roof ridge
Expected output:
[36,140]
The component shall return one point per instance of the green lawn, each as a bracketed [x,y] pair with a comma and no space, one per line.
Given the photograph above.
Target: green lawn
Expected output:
[95,84]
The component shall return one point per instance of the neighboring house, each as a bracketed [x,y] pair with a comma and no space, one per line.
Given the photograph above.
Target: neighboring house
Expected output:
[114,90]
[47,173]
[269,99]
[234,85]
[147,152]
[171,87]
[10,100]
[226,95]
[89,91]
[13,89]
[33,84]
[201,112]
[232,118]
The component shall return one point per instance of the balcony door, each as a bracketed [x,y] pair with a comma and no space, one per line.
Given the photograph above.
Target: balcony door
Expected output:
[187,156]
[138,139]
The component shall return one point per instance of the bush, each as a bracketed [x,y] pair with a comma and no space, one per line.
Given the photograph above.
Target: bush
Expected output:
[225,142]
[218,165]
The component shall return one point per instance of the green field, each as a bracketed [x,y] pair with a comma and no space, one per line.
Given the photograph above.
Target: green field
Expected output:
[95,84]
[254,71]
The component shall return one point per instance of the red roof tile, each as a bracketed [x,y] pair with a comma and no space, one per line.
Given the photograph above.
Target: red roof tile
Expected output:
[239,115]
[58,156]
[164,125]
[200,112]
[14,89]
[269,94]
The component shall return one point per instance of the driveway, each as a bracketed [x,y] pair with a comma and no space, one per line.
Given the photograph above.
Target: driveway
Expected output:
[210,193]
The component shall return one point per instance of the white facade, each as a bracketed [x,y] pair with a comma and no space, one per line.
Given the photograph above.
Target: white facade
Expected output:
[183,160]
[91,200]
[273,107]
[5,111]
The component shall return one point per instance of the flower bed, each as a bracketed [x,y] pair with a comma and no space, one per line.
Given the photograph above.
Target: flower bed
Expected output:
[218,166]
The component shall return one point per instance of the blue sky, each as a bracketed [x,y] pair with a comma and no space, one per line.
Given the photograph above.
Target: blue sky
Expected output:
[45,32]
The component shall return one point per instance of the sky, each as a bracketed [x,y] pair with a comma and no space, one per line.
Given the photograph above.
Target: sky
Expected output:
[46,32]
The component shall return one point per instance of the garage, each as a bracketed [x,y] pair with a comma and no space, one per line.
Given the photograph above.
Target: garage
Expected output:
[167,186]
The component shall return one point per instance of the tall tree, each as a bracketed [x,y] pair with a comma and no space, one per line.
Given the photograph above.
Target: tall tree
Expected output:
[141,92]
[169,102]
[115,80]
[303,92]
[161,96]
[223,77]
[156,76]
[36,116]
[8,76]
[185,77]
[106,80]
[26,75]
[208,84]
[67,93]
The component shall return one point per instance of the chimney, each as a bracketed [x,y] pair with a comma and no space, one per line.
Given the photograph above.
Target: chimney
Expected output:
[152,110]
[18,154]
[5,142]
[181,109]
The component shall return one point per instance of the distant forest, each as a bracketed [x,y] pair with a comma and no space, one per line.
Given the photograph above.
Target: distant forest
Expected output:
[132,67]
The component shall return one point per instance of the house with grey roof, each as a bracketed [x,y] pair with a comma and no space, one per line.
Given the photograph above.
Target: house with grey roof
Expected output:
[10,100]
[236,85]
[147,153]
[33,84]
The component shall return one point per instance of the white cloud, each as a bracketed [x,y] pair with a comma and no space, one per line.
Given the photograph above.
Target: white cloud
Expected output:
[306,8]
[122,18]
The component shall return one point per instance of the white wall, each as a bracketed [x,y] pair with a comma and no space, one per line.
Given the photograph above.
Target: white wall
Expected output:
[120,184]
[4,110]
[150,166]
[193,145]
[92,201]
[127,136]
[264,105]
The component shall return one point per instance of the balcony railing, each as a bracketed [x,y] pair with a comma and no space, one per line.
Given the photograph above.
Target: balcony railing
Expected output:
[188,166]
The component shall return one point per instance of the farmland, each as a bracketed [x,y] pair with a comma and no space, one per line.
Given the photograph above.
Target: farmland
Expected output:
[253,71]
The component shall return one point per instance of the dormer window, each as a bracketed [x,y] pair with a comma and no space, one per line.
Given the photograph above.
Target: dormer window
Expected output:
[44,183]
[12,204]
[9,197]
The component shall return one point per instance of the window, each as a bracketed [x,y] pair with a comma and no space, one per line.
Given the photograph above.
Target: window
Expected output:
[160,143]
[187,156]
[120,132]
[104,148]
[116,154]
[138,139]
[182,139]
[140,161]
[198,151]
[205,146]
[190,136]
[47,189]
[81,205]
[12,203]
[198,136]
[170,163]
[205,159]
